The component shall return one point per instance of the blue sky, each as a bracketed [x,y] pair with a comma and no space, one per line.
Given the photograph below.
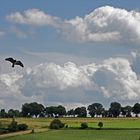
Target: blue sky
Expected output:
[74,52]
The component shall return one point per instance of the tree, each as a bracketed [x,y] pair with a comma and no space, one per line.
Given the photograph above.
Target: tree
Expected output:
[51,111]
[3,114]
[100,124]
[13,113]
[61,110]
[115,109]
[71,112]
[126,111]
[105,113]
[136,109]
[95,109]
[32,109]
[55,111]
[36,109]
[26,109]
[80,112]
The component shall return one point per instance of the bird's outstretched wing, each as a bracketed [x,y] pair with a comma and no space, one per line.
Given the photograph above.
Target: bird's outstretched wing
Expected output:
[10,59]
[19,63]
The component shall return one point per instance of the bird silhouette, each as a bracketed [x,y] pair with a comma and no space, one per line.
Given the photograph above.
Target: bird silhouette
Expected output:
[14,62]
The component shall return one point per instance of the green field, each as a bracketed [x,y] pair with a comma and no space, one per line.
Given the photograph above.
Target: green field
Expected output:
[39,123]
[122,129]
[81,135]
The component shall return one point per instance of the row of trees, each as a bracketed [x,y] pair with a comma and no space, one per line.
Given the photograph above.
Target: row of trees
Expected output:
[94,110]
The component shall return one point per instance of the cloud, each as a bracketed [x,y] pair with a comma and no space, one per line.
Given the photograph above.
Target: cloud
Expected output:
[50,83]
[104,24]
[11,95]
[2,33]
[120,81]
[135,58]
[34,17]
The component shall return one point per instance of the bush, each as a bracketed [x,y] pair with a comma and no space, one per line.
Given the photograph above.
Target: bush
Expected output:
[33,131]
[84,125]
[56,124]
[100,124]
[66,126]
[13,126]
[3,131]
[22,126]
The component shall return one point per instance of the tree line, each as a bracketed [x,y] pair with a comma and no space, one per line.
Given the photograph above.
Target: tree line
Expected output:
[35,109]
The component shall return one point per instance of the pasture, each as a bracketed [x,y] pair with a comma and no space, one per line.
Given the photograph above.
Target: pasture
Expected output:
[114,128]
[81,135]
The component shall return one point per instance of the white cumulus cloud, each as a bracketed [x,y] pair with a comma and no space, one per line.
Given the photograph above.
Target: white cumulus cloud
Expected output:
[34,17]
[104,24]
[51,83]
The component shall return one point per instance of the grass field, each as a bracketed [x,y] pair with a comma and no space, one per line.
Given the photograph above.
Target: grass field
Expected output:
[41,124]
[81,135]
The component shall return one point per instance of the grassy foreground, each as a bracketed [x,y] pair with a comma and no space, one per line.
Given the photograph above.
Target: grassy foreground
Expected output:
[81,135]
[74,133]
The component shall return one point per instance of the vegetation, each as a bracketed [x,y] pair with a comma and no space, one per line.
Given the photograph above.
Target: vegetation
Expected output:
[12,126]
[22,127]
[84,125]
[100,124]
[95,110]
[40,118]
[81,135]
[122,127]
[56,124]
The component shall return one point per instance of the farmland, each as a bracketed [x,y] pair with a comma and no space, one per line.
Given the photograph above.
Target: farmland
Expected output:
[81,135]
[120,128]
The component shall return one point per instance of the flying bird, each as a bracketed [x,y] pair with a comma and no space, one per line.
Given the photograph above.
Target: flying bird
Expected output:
[14,62]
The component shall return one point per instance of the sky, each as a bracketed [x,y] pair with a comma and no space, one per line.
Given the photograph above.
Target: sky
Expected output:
[75,52]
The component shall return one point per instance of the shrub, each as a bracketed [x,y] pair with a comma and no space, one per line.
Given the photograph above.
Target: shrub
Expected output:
[56,124]
[33,131]
[22,126]
[66,126]
[100,124]
[3,131]
[12,127]
[84,125]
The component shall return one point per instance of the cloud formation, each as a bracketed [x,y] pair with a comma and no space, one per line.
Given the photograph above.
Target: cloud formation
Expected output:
[50,83]
[34,17]
[104,24]
[2,33]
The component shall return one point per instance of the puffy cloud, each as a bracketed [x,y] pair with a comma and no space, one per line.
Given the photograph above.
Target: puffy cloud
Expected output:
[119,80]
[67,84]
[135,58]
[34,17]
[55,76]
[104,24]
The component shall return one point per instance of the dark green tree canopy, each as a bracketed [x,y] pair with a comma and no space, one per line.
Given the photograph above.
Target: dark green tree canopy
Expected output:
[53,111]
[80,111]
[32,109]
[136,108]
[115,109]
[95,109]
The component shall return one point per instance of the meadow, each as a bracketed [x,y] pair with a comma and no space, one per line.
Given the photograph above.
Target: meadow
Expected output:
[114,128]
